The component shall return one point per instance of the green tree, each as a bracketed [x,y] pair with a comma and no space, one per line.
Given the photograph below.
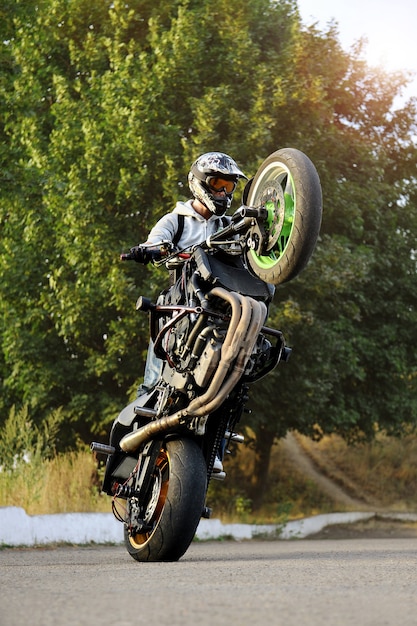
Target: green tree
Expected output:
[103,122]
[350,317]
[104,105]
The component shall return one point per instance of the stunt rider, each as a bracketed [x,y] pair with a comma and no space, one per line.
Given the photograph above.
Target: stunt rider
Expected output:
[212,180]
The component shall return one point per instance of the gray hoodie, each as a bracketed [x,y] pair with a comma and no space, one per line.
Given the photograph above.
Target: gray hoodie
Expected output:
[196,227]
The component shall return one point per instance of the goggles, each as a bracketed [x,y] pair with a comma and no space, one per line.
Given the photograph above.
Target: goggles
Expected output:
[221,184]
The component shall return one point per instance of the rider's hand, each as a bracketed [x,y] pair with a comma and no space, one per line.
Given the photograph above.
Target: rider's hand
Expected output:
[139,254]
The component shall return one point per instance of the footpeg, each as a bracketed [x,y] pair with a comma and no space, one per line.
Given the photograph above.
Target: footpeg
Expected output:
[234,437]
[144,411]
[101,448]
[207,511]
[218,475]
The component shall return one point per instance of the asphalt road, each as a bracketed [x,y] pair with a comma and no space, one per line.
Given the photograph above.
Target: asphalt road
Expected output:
[359,582]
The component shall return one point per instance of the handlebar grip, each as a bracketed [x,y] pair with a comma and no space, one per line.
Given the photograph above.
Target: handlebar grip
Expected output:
[248,211]
[126,256]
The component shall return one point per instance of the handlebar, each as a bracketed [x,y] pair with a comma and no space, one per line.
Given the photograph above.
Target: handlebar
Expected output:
[146,253]
[241,222]
[249,211]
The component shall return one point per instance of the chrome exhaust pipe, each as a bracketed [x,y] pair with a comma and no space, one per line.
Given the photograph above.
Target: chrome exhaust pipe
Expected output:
[247,318]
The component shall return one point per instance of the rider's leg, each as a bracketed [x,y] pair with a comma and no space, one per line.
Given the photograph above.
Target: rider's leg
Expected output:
[152,373]
[153,369]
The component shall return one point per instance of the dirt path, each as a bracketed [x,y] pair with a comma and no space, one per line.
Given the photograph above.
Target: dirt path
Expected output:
[383,524]
[328,486]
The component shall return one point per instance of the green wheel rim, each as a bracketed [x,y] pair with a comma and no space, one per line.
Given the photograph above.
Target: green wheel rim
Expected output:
[267,261]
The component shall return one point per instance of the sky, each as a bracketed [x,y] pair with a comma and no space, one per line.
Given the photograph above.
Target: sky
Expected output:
[389,26]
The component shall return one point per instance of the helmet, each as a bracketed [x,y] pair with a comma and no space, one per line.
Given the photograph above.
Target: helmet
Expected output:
[204,171]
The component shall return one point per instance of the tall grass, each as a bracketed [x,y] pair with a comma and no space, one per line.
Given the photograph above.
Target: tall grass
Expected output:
[67,483]
[33,476]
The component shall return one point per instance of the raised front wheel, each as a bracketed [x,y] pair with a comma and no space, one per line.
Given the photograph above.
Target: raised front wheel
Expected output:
[288,187]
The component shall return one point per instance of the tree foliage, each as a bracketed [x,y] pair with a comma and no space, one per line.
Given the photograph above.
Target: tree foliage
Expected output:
[103,107]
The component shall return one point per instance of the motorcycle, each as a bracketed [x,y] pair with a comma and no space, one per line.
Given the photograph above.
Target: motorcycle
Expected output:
[209,330]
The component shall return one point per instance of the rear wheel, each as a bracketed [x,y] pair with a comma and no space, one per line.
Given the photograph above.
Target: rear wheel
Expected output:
[175,504]
[288,187]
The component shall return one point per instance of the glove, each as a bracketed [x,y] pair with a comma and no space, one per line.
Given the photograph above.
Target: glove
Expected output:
[139,254]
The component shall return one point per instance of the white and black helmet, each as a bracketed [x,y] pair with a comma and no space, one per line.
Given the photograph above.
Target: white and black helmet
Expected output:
[214,171]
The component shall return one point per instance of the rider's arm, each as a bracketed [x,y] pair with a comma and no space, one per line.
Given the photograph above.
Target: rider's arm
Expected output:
[164,230]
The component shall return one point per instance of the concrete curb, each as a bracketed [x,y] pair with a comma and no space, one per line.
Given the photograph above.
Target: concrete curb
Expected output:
[19,529]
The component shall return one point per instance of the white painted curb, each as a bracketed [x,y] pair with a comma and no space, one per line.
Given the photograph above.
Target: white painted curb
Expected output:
[19,529]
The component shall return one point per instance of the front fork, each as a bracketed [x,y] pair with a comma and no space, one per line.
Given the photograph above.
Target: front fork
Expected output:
[137,489]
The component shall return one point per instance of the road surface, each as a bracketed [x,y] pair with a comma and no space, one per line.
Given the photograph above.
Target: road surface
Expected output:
[358,582]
